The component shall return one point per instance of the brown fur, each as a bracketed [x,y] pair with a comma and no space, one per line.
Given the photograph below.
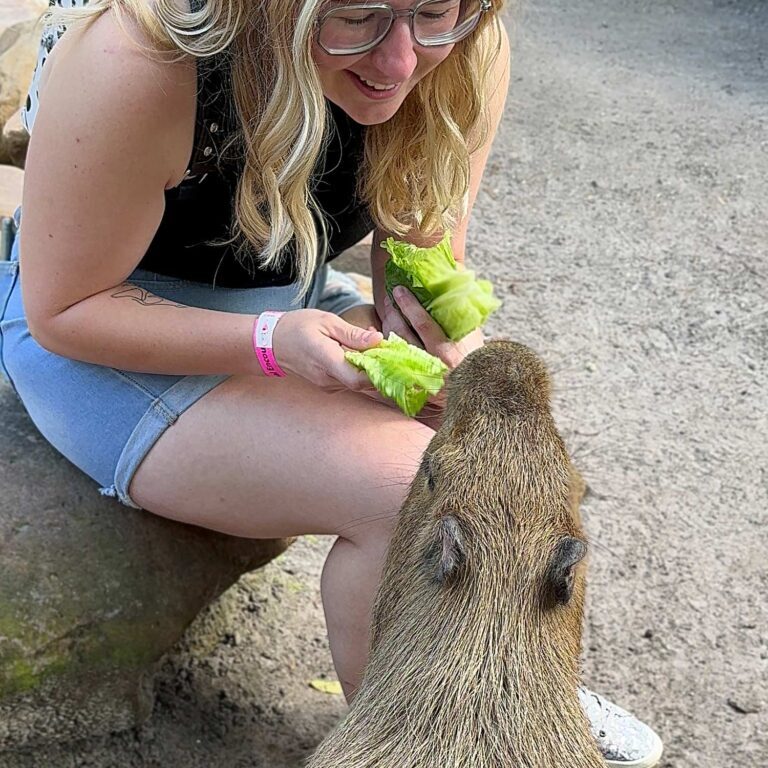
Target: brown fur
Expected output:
[477,625]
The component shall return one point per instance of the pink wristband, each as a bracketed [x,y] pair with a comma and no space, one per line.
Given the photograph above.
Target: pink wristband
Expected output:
[263,327]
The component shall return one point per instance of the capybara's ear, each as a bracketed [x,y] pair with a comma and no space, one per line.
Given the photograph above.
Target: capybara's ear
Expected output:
[450,548]
[560,574]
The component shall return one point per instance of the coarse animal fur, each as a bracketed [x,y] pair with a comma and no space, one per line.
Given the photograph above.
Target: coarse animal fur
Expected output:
[476,628]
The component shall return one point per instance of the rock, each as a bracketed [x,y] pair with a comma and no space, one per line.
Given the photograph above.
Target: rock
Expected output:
[92,593]
[745,706]
[11,184]
[15,140]
[19,44]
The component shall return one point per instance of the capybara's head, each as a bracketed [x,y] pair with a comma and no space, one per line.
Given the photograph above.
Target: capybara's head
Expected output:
[491,524]
[476,628]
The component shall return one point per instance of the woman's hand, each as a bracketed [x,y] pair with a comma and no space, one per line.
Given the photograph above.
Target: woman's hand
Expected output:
[392,320]
[431,335]
[434,340]
[310,343]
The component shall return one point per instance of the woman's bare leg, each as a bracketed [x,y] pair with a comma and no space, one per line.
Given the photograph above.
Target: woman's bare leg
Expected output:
[265,458]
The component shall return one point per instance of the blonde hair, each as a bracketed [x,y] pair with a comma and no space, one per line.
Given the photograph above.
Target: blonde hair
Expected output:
[415,173]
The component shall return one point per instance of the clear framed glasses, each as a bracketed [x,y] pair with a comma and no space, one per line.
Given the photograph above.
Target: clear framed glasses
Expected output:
[347,29]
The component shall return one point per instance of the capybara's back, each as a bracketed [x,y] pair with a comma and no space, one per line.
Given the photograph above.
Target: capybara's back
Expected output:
[477,624]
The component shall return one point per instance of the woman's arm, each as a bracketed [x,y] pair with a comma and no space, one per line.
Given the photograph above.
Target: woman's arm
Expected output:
[390,317]
[114,129]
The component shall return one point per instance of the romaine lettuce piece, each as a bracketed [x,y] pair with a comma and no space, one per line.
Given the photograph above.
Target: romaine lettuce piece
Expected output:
[454,298]
[462,304]
[404,373]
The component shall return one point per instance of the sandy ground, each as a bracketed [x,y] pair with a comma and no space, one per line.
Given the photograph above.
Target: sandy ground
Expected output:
[624,221]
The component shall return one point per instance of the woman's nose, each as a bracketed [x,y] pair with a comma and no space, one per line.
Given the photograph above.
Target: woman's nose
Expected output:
[395,56]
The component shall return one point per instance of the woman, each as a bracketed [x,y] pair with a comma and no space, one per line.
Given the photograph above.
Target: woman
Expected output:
[190,170]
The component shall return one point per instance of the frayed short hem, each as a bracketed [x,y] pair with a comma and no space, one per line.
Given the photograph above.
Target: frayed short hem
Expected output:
[112,493]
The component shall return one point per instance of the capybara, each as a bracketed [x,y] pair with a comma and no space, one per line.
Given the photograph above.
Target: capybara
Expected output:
[476,628]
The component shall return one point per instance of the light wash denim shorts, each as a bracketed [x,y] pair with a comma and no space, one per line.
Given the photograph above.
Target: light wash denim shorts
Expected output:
[105,420]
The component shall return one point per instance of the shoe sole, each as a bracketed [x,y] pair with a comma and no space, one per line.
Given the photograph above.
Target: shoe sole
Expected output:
[649,761]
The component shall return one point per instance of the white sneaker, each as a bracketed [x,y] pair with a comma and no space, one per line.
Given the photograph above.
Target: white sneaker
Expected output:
[624,741]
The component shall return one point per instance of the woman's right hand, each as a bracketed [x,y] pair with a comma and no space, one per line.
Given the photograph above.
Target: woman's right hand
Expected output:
[310,343]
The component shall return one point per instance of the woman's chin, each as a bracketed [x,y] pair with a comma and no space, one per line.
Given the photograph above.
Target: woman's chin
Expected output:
[366,114]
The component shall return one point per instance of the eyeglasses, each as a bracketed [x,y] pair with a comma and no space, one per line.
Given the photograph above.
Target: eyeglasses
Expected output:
[357,27]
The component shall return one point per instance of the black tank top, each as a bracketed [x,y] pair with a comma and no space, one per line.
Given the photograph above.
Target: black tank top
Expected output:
[201,208]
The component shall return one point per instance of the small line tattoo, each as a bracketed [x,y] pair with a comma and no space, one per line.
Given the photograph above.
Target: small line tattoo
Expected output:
[144,297]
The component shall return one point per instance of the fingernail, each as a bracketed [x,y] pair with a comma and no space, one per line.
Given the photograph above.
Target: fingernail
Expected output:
[368,337]
[399,292]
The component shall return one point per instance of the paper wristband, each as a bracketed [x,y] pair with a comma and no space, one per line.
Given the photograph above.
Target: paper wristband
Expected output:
[263,327]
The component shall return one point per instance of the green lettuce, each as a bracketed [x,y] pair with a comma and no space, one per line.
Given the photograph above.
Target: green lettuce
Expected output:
[455,300]
[404,373]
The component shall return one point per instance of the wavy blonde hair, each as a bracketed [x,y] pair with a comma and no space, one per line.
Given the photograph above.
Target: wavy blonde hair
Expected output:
[415,173]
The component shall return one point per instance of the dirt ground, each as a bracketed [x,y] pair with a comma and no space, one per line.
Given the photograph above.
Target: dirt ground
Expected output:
[624,221]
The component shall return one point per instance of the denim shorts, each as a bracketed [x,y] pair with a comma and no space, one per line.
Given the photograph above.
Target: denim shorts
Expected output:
[105,420]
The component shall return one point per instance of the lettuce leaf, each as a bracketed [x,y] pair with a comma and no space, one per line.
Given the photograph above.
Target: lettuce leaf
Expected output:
[404,373]
[455,300]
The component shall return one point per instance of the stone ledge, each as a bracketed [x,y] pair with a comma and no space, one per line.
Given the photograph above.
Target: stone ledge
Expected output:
[92,593]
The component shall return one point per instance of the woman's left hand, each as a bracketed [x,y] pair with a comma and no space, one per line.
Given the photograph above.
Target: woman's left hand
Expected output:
[438,344]
[428,334]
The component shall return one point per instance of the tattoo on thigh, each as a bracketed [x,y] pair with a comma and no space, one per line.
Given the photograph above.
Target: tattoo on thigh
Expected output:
[142,296]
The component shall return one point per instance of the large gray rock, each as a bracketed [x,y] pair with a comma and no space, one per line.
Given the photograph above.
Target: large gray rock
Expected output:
[92,593]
